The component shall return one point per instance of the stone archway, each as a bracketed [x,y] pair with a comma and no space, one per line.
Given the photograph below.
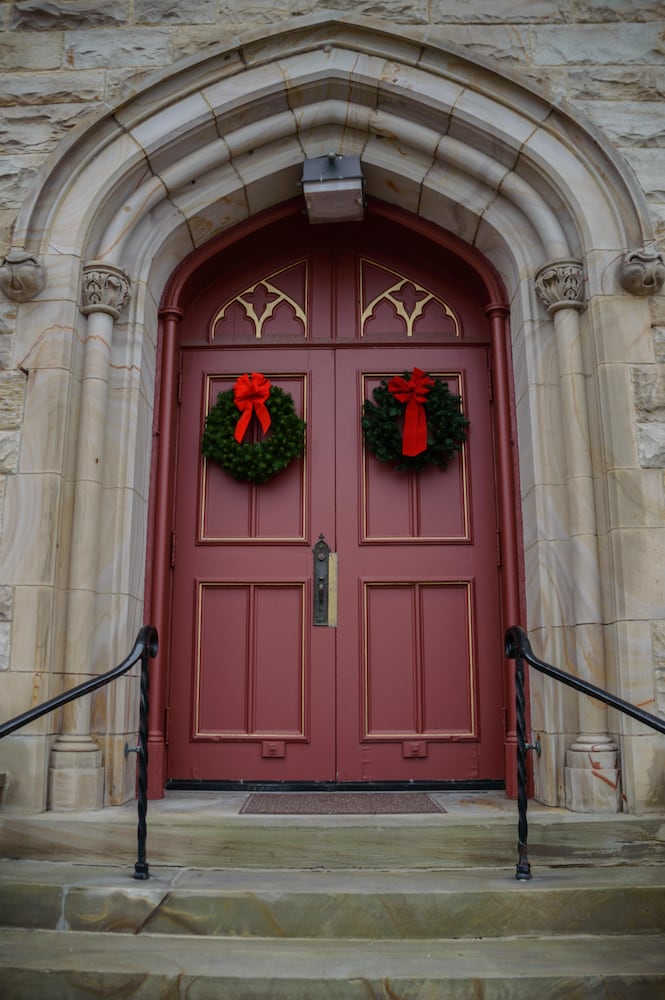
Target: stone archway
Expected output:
[214,142]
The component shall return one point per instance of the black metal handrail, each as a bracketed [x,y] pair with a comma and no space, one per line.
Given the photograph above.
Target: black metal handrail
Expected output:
[145,648]
[518,648]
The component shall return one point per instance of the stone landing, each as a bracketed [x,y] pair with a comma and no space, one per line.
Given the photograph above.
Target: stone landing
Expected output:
[208,830]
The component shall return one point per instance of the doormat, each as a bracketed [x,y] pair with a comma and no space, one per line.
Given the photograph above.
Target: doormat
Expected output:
[339,803]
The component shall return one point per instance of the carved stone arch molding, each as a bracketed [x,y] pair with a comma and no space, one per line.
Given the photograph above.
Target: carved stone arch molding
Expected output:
[213,142]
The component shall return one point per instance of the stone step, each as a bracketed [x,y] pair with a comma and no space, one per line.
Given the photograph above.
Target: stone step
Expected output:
[206,837]
[413,907]
[333,904]
[79,965]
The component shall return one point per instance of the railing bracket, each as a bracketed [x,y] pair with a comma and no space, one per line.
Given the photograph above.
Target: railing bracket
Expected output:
[129,750]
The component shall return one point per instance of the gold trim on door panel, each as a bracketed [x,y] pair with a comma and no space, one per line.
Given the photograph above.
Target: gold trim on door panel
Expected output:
[462,734]
[367,539]
[204,539]
[254,735]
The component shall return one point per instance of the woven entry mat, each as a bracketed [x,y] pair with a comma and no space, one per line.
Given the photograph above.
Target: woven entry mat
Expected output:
[339,803]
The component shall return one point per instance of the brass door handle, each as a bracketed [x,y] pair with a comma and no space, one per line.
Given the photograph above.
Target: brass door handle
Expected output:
[325,584]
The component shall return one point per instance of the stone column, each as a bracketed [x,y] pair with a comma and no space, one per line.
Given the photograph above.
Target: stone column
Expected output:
[76,773]
[592,777]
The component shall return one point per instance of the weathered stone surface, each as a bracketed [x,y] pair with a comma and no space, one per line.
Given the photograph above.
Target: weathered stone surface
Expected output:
[649,392]
[629,123]
[6,352]
[597,43]
[147,47]
[648,165]
[659,342]
[397,11]
[194,39]
[37,129]
[12,388]
[658,647]
[657,211]
[9,443]
[496,42]
[3,494]
[57,88]
[43,15]
[632,83]
[180,11]
[30,51]
[651,445]
[657,309]
[16,174]
[5,639]
[6,603]
[124,82]
[512,11]
[616,10]
[6,341]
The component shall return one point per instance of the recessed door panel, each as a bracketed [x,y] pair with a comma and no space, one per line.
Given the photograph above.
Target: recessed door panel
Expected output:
[426,507]
[238,692]
[419,667]
[236,511]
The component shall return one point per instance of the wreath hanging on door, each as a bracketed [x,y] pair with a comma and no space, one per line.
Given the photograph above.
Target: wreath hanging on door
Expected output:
[258,461]
[414,421]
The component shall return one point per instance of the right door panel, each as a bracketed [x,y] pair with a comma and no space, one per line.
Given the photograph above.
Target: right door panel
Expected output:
[418,671]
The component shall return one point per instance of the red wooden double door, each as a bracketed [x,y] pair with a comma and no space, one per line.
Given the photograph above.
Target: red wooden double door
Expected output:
[405,681]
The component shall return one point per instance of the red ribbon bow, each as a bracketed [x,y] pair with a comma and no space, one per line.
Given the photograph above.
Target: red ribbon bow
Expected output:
[249,394]
[413,393]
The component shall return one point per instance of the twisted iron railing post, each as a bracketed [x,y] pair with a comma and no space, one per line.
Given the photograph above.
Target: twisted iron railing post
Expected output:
[141,868]
[523,870]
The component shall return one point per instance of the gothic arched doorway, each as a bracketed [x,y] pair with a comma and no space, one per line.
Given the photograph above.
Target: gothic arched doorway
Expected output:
[406,684]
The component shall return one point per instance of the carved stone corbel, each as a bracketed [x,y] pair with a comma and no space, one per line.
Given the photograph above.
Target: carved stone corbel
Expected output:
[642,272]
[560,285]
[22,276]
[105,289]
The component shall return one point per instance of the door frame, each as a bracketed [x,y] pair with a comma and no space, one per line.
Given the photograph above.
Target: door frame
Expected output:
[180,289]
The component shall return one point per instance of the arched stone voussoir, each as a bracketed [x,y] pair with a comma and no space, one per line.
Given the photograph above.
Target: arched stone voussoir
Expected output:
[275,94]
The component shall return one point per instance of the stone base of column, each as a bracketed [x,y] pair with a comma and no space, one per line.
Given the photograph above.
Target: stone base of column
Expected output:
[592,776]
[76,774]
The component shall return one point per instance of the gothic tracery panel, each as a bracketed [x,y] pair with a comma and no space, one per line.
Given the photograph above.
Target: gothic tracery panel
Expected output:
[395,306]
[273,308]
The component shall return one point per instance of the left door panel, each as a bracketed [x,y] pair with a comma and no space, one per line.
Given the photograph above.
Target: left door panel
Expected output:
[253,684]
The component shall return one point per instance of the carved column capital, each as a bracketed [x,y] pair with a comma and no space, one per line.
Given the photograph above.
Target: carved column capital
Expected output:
[560,285]
[642,272]
[22,276]
[105,289]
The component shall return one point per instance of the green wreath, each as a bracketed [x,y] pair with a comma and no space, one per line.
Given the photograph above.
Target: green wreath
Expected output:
[259,461]
[446,427]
